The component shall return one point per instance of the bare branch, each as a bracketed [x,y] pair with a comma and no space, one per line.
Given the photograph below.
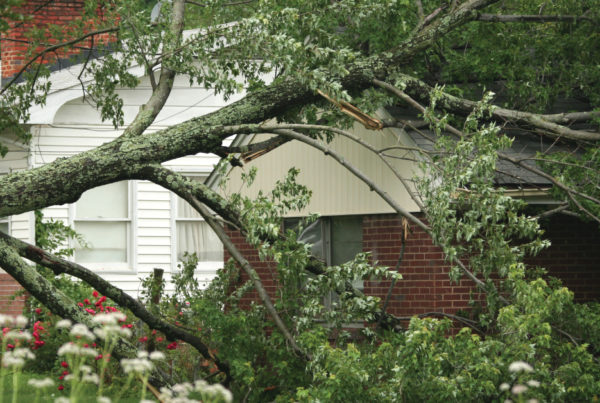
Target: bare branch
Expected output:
[187,193]
[53,48]
[531,18]
[421,90]
[235,3]
[372,185]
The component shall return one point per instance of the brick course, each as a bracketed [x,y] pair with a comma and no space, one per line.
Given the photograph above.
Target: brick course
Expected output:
[574,257]
[43,13]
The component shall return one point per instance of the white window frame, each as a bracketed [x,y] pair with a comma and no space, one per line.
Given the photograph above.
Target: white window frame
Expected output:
[128,267]
[202,268]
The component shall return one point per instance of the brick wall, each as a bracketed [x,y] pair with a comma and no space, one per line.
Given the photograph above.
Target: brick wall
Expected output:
[425,287]
[13,44]
[8,287]
[574,256]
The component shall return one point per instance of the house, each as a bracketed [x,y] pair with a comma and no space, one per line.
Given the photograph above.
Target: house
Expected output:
[131,227]
[134,227]
[356,219]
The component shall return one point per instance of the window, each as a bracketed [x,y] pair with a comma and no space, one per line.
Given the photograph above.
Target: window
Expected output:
[194,235]
[103,217]
[335,240]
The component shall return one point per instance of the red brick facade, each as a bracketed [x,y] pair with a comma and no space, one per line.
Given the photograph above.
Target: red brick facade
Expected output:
[13,44]
[574,257]
[8,304]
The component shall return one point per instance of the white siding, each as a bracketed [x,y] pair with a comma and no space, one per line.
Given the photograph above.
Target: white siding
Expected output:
[336,191]
[77,127]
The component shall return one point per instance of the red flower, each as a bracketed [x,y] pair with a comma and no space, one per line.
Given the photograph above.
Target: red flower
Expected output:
[5,330]
[95,294]
[180,313]
[86,345]
[93,344]
[87,301]
[172,346]
[80,304]
[64,364]
[39,343]
[154,332]
[129,326]
[159,339]
[38,326]
[143,339]
[11,346]
[90,311]
[100,301]
[98,357]
[65,372]
[61,377]
[60,387]
[38,310]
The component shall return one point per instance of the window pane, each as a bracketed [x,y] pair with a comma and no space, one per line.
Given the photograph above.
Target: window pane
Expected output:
[346,238]
[107,242]
[184,210]
[198,237]
[108,201]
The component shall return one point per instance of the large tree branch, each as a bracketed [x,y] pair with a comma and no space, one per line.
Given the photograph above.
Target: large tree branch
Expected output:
[56,300]
[63,180]
[161,91]
[59,266]
[187,193]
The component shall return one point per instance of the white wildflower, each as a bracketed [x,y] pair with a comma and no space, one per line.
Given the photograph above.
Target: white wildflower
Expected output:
[21,321]
[146,401]
[86,369]
[518,389]
[23,353]
[533,401]
[219,390]
[104,399]
[504,387]
[142,354]
[18,335]
[157,355]
[81,330]
[125,332]
[5,320]
[41,383]
[63,324]
[71,348]
[139,365]
[166,392]
[182,388]
[69,377]
[10,360]
[520,366]
[68,348]
[92,378]
[109,318]
[533,383]
[62,400]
